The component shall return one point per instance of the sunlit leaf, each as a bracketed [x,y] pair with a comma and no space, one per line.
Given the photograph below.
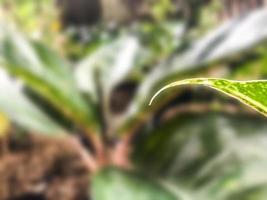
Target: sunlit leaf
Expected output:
[251,93]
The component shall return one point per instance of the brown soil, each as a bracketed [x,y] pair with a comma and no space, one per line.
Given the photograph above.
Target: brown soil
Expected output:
[40,168]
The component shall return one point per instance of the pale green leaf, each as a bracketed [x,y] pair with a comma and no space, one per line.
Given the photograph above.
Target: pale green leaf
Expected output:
[19,109]
[251,93]
[46,74]
[112,62]
[113,184]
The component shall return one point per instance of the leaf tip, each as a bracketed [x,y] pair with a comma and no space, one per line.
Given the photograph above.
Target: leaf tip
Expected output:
[157,94]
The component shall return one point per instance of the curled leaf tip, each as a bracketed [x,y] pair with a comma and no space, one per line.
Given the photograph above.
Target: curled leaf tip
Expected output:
[252,93]
[157,94]
[169,86]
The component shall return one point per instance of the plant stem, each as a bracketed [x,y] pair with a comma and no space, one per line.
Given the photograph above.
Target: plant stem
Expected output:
[86,156]
[120,154]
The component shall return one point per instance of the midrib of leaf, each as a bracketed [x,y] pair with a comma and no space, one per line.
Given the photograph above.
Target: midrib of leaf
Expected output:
[229,87]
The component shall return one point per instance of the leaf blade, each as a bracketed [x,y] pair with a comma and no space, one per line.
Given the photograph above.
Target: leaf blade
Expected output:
[114,184]
[48,75]
[21,110]
[252,93]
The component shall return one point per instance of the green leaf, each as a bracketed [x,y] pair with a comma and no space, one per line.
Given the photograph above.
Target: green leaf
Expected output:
[21,110]
[251,93]
[107,67]
[113,184]
[48,75]
[112,62]
[189,141]
[210,156]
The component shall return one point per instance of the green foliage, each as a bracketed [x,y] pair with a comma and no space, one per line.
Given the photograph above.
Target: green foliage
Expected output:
[207,156]
[252,93]
[36,18]
[46,74]
[161,9]
[204,157]
[113,184]
[18,107]
[218,47]
[254,67]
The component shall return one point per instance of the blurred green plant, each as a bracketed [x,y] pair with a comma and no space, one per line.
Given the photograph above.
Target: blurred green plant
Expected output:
[161,9]
[205,157]
[38,19]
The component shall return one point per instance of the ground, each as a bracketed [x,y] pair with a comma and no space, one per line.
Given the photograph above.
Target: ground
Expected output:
[40,168]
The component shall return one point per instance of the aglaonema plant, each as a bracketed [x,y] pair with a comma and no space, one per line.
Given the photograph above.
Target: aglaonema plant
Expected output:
[82,94]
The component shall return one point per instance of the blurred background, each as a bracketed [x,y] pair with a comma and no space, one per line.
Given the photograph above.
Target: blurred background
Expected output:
[195,142]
